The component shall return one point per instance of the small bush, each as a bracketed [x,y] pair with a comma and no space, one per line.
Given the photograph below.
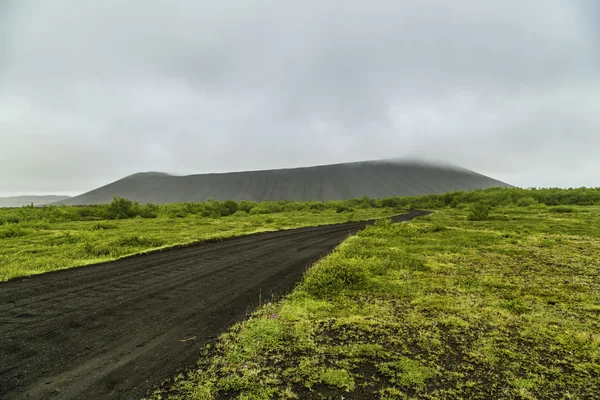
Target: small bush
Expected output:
[122,208]
[149,211]
[526,201]
[228,207]
[246,206]
[480,212]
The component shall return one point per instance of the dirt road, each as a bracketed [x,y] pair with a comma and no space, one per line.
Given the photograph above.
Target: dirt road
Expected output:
[118,329]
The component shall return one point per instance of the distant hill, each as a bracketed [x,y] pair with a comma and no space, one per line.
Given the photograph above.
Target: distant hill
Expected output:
[328,182]
[19,201]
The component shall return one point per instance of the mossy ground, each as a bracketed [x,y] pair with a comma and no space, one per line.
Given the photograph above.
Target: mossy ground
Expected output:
[439,308]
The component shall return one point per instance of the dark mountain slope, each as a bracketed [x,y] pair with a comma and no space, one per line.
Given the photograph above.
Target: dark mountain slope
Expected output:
[329,182]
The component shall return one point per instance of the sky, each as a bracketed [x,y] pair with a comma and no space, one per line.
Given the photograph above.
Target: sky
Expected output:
[92,91]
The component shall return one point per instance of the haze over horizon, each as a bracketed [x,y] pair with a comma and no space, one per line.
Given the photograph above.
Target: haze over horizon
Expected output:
[91,92]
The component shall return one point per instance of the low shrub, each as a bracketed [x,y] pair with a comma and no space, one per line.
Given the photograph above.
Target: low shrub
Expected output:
[122,208]
[246,206]
[228,207]
[526,201]
[480,212]
[149,211]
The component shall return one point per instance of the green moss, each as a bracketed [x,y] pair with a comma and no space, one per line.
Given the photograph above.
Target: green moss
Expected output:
[338,378]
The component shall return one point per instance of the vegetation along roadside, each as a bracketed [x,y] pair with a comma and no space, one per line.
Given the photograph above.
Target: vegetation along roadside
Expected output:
[35,240]
[498,297]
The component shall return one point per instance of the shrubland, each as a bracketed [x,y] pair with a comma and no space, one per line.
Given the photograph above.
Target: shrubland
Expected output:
[121,208]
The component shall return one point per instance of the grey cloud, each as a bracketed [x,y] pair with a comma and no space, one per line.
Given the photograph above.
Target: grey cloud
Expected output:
[92,91]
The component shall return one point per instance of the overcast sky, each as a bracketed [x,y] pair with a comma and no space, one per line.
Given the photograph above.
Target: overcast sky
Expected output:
[91,91]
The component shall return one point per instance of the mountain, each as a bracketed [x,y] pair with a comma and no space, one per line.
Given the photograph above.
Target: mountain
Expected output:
[375,179]
[19,201]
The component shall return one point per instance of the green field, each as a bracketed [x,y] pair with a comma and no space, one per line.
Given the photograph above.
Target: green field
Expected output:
[444,307]
[38,240]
